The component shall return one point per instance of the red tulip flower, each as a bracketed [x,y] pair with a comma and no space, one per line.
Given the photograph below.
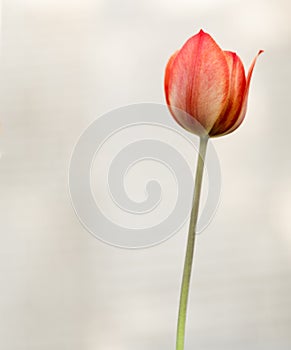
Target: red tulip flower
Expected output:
[207,85]
[206,91]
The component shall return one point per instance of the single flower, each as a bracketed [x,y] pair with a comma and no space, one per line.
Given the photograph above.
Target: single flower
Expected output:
[206,91]
[207,85]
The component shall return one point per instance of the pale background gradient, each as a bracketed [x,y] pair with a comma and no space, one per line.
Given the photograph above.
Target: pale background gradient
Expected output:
[63,63]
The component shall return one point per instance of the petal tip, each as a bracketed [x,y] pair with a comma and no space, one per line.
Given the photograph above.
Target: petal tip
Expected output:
[201,32]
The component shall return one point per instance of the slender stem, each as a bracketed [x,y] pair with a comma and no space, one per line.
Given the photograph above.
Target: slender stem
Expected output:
[190,246]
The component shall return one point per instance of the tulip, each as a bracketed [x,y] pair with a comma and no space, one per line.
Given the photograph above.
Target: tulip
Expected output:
[206,91]
[206,88]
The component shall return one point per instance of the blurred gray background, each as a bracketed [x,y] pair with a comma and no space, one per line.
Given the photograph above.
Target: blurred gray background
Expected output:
[65,62]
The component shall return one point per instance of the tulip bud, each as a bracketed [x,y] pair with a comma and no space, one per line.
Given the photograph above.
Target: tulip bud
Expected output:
[206,88]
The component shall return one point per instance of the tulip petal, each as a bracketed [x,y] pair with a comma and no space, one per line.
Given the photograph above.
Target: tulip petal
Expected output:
[235,97]
[243,110]
[168,74]
[197,82]
[181,117]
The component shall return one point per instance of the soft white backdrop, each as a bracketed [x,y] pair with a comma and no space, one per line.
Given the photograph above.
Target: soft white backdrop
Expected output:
[63,63]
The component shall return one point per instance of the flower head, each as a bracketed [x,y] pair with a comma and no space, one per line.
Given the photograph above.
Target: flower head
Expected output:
[206,88]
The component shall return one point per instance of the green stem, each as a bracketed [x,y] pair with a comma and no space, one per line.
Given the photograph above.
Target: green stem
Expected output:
[190,246]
